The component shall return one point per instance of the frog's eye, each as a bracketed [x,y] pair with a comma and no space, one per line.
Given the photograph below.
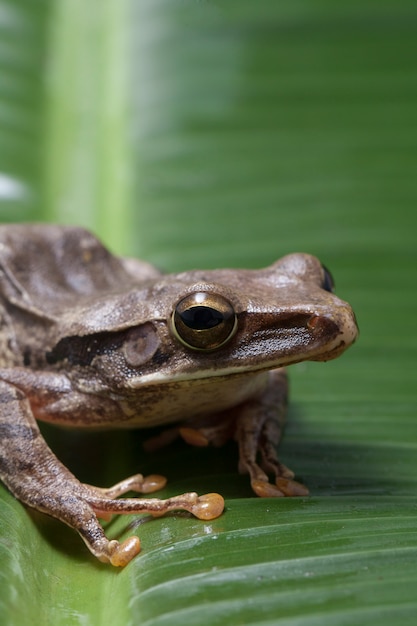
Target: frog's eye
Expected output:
[328,282]
[204,321]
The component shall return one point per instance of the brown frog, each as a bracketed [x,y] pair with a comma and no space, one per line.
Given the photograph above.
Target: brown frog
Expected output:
[90,340]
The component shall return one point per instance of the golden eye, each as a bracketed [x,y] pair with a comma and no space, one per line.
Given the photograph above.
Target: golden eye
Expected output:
[204,321]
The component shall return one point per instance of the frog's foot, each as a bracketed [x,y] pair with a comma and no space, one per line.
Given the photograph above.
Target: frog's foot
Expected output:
[258,432]
[284,477]
[79,506]
[102,502]
[284,484]
[254,442]
[205,507]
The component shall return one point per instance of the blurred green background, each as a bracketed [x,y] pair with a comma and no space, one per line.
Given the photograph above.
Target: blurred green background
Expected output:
[217,133]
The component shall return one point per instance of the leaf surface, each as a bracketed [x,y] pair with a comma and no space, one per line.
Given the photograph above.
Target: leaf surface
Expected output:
[215,134]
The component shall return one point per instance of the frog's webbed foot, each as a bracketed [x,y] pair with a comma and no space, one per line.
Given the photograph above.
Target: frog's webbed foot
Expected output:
[258,432]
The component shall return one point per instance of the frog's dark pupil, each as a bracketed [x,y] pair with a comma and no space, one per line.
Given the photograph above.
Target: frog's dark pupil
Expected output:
[201,317]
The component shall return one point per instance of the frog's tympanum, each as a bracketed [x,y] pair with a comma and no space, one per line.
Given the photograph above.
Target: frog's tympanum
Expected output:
[90,340]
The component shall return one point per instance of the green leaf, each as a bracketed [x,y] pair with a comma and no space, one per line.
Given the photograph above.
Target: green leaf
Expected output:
[230,133]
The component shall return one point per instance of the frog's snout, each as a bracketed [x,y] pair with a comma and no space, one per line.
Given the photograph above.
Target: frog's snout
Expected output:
[341,330]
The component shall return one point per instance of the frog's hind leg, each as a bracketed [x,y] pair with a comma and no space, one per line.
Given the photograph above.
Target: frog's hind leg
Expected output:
[38,479]
[258,432]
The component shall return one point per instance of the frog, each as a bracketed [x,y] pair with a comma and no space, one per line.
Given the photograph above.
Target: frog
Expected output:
[92,340]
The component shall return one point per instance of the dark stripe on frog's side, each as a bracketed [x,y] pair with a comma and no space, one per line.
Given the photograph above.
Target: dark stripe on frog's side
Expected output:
[83,350]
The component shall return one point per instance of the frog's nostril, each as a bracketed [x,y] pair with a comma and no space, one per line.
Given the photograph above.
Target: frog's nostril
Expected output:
[323,328]
[314,322]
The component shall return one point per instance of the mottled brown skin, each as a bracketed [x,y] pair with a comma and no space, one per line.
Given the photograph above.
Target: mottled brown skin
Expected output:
[90,340]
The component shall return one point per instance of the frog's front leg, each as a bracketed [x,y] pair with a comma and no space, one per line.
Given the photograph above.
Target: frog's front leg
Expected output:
[37,478]
[257,426]
[258,432]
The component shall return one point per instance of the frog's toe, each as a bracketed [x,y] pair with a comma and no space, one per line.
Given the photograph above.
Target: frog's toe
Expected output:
[153,482]
[265,489]
[194,437]
[291,488]
[120,554]
[208,506]
[137,483]
[283,487]
[284,471]
[113,552]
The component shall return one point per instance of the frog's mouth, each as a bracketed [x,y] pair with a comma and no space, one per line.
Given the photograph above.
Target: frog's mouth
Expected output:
[332,354]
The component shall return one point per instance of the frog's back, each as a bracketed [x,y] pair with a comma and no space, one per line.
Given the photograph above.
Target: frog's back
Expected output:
[47,266]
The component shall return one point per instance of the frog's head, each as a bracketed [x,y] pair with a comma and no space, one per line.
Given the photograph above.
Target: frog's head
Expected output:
[275,316]
[201,324]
